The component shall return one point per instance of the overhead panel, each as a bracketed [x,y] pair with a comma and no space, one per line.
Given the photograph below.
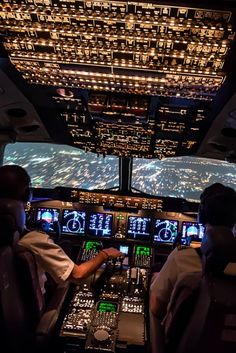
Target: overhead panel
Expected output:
[130,78]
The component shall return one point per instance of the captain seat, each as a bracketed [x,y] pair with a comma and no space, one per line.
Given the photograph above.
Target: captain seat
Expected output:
[37,319]
[15,332]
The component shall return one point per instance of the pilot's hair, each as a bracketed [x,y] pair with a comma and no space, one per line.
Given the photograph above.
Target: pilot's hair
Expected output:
[218,206]
[14,183]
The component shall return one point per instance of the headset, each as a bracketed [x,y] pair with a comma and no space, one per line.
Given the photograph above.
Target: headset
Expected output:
[27,194]
[202,213]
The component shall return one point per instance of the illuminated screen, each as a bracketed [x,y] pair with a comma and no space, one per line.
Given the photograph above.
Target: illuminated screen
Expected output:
[142,250]
[93,245]
[124,249]
[193,230]
[138,228]
[165,230]
[100,224]
[107,307]
[73,221]
[48,214]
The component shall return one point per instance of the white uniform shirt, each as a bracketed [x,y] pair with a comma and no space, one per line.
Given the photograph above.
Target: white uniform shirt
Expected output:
[49,257]
[179,261]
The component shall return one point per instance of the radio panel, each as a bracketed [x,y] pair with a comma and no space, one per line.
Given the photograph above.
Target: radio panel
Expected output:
[90,249]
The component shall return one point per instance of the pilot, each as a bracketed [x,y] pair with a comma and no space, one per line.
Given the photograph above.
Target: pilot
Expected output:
[50,258]
[217,210]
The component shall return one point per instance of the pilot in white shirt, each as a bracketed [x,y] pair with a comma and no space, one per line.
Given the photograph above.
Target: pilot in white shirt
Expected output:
[217,210]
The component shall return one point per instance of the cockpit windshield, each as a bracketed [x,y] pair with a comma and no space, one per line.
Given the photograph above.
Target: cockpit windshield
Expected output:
[51,165]
[183,177]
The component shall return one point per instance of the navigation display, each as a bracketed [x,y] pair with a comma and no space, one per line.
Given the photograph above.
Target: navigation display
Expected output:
[48,214]
[192,231]
[100,224]
[138,228]
[73,221]
[165,230]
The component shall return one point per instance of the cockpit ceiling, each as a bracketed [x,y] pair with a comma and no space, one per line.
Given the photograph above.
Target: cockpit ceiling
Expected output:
[137,79]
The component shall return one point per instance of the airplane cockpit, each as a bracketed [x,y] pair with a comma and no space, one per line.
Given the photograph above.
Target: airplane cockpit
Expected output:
[122,112]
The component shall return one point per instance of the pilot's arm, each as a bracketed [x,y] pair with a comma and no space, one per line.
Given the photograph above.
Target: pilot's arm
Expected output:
[54,260]
[87,268]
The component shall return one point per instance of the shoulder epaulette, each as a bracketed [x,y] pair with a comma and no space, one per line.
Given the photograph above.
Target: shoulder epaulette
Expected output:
[182,247]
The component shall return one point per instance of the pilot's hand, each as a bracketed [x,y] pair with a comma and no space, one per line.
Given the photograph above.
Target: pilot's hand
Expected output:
[112,253]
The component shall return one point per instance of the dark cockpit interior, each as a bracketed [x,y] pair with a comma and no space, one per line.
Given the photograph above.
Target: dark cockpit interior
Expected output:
[122,112]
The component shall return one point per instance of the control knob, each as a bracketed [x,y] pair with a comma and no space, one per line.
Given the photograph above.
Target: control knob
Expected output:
[101,336]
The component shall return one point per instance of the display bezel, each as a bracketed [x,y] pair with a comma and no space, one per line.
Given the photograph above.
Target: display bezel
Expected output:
[90,230]
[139,236]
[51,210]
[172,239]
[73,232]
[197,239]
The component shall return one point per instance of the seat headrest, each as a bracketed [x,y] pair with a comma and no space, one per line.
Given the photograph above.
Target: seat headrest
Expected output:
[218,248]
[12,221]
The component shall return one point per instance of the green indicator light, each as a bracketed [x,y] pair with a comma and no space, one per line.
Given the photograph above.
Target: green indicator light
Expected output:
[120,217]
[107,307]
[143,250]
[92,245]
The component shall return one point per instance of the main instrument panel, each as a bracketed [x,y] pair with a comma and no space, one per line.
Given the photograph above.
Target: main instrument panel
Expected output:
[119,225]
[108,311]
[104,215]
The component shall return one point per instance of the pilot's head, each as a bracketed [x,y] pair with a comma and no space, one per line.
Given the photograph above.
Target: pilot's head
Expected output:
[14,183]
[218,206]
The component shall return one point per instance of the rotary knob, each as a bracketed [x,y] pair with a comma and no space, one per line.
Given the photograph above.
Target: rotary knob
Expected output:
[101,336]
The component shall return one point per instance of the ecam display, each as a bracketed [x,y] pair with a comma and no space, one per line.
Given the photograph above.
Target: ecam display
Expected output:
[100,224]
[139,228]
